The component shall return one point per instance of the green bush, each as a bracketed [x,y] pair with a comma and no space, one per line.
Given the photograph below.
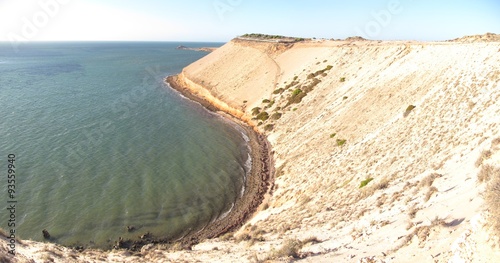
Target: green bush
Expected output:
[408,110]
[278,91]
[296,92]
[332,135]
[268,127]
[263,116]
[365,182]
[342,79]
[276,116]
[341,142]
[256,111]
[266,101]
[296,98]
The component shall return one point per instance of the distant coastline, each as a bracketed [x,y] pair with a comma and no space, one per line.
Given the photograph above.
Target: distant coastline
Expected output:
[204,49]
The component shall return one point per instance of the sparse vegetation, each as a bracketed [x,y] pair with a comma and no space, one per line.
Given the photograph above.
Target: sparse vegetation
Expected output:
[256,111]
[427,181]
[429,193]
[365,182]
[492,198]
[278,91]
[276,116]
[263,116]
[486,173]
[297,96]
[290,248]
[408,110]
[485,155]
[278,38]
[268,127]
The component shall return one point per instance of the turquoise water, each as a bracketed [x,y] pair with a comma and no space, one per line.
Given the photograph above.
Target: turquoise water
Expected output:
[102,143]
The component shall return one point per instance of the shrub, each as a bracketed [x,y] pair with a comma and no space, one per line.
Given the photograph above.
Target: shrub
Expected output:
[310,76]
[332,135]
[408,110]
[294,83]
[328,67]
[295,77]
[268,127]
[492,198]
[256,111]
[289,249]
[294,109]
[276,116]
[266,101]
[429,193]
[296,98]
[365,182]
[342,79]
[340,142]
[296,92]
[278,91]
[245,101]
[345,97]
[263,116]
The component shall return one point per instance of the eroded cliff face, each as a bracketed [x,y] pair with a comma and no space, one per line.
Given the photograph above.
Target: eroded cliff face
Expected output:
[411,120]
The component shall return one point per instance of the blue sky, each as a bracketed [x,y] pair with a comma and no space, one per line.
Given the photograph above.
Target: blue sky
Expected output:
[221,20]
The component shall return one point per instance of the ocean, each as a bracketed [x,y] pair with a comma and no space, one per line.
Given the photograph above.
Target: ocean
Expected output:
[101,143]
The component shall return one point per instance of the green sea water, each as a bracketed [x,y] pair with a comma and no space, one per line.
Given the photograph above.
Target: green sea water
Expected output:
[101,143]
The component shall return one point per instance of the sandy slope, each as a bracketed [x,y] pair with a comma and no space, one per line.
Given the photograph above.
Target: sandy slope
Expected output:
[424,204]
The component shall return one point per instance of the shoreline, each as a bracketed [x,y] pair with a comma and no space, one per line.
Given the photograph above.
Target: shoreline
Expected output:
[257,184]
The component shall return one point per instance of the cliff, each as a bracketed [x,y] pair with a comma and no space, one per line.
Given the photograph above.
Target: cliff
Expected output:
[384,151]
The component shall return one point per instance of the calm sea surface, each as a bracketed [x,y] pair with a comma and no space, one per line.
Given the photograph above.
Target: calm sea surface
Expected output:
[101,143]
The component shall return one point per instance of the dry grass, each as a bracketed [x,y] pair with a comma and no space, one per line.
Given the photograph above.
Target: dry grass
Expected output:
[412,212]
[485,155]
[492,198]
[487,173]
[429,193]
[289,249]
[429,180]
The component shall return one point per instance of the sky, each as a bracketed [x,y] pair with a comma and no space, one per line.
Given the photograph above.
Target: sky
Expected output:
[222,20]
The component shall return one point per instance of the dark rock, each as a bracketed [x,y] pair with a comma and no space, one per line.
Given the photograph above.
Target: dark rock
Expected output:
[46,234]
